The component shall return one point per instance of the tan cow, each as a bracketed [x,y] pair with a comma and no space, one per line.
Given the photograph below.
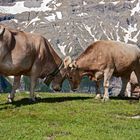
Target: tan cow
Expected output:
[133,88]
[103,59]
[23,53]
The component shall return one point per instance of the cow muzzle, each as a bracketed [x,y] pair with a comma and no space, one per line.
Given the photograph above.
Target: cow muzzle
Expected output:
[56,88]
[74,90]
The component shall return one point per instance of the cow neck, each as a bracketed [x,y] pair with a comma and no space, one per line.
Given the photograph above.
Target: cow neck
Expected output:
[83,60]
[57,60]
[55,71]
[82,64]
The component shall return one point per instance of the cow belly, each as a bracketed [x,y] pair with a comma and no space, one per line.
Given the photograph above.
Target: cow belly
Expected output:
[16,64]
[124,66]
[122,72]
[11,69]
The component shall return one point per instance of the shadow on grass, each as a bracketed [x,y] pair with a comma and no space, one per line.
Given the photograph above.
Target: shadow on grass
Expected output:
[130,99]
[123,98]
[26,101]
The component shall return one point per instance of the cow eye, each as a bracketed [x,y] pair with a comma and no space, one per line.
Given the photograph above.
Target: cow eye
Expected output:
[70,78]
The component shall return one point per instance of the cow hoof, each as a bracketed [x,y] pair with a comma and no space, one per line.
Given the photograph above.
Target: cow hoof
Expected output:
[105,99]
[38,98]
[10,100]
[32,100]
[98,96]
[121,96]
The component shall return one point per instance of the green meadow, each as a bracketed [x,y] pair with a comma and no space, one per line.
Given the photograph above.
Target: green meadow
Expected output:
[59,116]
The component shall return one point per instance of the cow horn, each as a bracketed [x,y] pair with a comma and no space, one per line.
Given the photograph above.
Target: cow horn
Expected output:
[67,61]
[2,29]
[73,65]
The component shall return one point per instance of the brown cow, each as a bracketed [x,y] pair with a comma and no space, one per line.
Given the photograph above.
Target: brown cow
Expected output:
[104,59]
[23,53]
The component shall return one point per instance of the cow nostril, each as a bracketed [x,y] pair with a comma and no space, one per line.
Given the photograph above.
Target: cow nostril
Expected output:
[74,90]
[70,78]
[56,88]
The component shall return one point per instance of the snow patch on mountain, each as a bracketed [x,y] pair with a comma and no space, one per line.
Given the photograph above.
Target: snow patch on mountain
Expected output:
[20,8]
[128,33]
[62,49]
[51,17]
[136,9]
[33,21]
[90,32]
[117,31]
[59,15]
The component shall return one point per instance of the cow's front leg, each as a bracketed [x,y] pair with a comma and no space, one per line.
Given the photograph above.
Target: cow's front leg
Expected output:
[98,77]
[98,92]
[32,87]
[107,76]
[16,84]
[128,90]
[106,94]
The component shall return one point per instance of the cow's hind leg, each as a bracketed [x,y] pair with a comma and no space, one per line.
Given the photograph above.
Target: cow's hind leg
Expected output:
[16,84]
[137,72]
[107,76]
[125,81]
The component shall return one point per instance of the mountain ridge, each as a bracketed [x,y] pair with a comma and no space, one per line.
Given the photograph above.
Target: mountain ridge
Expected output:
[71,26]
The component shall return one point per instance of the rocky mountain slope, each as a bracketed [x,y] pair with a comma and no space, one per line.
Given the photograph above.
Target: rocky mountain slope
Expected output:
[71,25]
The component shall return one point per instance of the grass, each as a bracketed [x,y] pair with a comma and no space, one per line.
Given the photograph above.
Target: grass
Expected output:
[58,116]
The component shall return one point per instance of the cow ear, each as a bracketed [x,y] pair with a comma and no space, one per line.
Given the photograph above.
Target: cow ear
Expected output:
[67,61]
[2,30]
[74,64]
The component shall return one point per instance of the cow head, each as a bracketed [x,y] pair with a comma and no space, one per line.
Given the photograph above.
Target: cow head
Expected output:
[73,73]
[56,78]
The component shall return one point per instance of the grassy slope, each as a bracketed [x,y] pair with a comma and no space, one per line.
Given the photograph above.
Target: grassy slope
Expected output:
[68,117]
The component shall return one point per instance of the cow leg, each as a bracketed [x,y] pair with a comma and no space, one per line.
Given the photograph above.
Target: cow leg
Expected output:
[125,81]
[98,93]
[137,72]
[16,84]
[107,76]
[33,80]
[128,89]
